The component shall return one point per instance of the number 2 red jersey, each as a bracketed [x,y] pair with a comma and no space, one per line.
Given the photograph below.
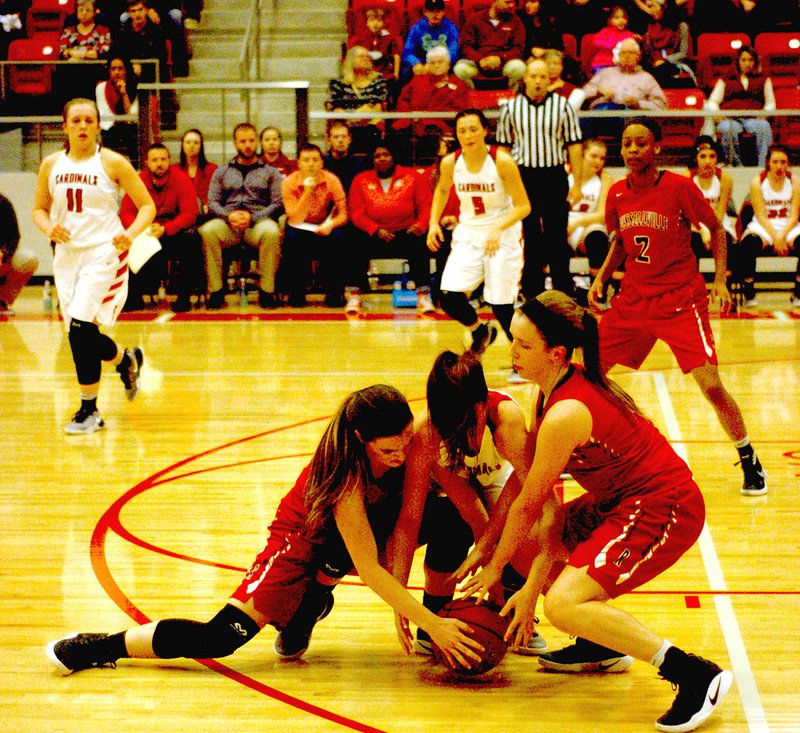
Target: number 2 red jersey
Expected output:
[655,227]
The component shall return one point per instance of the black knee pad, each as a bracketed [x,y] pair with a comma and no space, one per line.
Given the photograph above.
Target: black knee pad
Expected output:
[219,637]
[83,340]
[447,535]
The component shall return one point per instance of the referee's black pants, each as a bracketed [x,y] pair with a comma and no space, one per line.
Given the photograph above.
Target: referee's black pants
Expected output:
[545,230]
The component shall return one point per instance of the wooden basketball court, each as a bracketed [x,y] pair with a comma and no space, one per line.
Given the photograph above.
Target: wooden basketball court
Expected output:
[159,514]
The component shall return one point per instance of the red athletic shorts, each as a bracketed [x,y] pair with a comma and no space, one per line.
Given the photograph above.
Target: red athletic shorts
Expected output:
[631,542]
[679,317]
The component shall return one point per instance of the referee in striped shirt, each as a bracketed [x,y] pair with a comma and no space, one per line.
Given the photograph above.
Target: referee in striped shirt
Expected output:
[542,129]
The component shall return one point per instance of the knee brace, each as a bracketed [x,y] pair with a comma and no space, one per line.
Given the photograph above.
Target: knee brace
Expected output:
[83,340]
[219,637]
[457,306]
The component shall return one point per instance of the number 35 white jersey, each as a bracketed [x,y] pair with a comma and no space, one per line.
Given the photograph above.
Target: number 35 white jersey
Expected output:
[482,196]
[85,200]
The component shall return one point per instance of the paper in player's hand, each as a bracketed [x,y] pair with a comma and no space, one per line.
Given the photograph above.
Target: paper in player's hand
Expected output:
[142,249]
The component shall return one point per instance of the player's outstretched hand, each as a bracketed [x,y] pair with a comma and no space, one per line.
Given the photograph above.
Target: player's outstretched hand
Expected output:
[435,237]
[484,584]
[452,637]
[470,566]
[596,294]
[721,294]
[404,635]
[522,625]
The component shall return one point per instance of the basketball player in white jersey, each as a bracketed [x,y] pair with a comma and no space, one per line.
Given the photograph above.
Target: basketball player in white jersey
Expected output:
[487,241]
[586,230]
[76,205]
[775,197]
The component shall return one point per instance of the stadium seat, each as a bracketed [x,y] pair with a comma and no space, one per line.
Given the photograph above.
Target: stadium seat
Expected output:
[679,133]
[32,79]
[470,6]
[716,56]
[48,16]
[787,129]
[780,57]
[587,53]
[570,45]
[394,10]
[488,98]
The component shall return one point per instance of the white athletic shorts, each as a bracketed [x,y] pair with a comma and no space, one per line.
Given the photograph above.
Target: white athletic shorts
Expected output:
[581,233]
[754,227]
[92,282]
[468,266]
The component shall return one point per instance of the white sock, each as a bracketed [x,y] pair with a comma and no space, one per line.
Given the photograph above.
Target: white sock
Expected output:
[741,443]
[658,657]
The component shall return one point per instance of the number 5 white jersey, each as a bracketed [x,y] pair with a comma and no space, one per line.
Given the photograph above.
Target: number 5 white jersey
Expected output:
[85,200]
[482,196]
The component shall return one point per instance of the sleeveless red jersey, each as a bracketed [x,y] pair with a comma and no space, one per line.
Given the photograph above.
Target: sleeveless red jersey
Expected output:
[655,227]
[626,455]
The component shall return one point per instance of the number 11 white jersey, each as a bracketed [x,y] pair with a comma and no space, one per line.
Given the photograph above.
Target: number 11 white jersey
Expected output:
[85,200]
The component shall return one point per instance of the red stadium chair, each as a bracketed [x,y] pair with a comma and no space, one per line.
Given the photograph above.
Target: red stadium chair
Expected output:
[587,53]
[395,11]
[470,6]
[32,79]
[787,129]
[678,133]
[47,16]
[780,57]
[570,45]
[716,56]
[488,98]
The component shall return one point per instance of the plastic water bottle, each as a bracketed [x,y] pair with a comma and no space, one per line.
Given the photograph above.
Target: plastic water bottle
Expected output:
[47,297]
[162,296]
[243,301]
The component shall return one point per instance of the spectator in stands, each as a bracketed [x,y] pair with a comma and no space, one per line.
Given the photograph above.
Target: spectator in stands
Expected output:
[389,205]
[86,39]
[384,46]
[555,69]
[747,89]
[542,30]
[665,46]
[492,45]
[12,23]
[433,29]
[179,263]
[168,15]
[340,159]
[142,38]
[586,231]
[245,199]
[623,86]
[193,162]
[438,90]
[743,16]
[316,211]
[716,186]
[271,152]
[774,228]
[359,89]
[17,264]
[117,96]
[607,39]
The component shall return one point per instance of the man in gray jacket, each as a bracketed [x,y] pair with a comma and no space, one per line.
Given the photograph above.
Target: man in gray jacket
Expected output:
[245,197]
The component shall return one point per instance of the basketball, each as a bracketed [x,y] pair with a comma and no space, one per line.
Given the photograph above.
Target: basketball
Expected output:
[488,628]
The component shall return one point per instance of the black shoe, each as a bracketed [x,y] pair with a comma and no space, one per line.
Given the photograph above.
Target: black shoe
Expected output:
[482,337]
[755,477]
[293,640]
[182,304]
[422,643]
[334,301]
[74,653]
[266,300]
[130,374]
[216,300]
[297,301]
[704,686]
[585,656]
